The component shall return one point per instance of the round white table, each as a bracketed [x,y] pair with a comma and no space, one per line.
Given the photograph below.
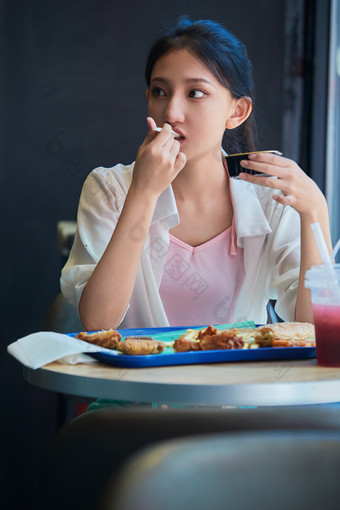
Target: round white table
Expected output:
[260,383]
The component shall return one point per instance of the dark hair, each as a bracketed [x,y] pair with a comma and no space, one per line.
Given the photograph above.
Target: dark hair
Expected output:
[225,56]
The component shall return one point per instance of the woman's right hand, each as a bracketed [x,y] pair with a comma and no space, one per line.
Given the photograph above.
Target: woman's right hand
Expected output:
[108,291]
[158,161]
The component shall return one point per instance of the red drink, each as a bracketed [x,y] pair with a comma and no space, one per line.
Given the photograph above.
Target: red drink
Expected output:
[327,333]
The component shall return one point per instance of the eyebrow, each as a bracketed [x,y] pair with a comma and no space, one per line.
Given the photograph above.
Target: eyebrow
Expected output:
[187,80]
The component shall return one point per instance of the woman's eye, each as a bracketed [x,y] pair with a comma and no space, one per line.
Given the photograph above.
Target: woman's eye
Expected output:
[158,92]
[196,93]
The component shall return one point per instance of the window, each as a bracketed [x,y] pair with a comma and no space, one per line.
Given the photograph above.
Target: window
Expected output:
[333,124]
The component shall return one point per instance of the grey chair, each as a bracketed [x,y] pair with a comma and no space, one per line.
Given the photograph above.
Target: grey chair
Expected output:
[296,470]
[80,462]
[62,317]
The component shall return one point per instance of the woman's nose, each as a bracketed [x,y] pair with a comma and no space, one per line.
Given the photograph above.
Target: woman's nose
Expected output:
[175,111]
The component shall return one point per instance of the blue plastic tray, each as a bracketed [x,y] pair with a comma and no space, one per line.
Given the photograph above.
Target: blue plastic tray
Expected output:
[168,357]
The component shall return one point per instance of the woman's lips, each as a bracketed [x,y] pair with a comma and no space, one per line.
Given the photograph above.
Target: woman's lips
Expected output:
[178,135]
[181,136]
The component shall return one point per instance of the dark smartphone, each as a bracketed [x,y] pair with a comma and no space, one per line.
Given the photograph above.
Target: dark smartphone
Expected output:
[233,162]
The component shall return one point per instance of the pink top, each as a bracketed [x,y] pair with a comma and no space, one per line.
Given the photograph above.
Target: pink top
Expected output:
[200,284]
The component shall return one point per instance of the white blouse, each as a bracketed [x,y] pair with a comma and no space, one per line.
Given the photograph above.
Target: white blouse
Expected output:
[268,232]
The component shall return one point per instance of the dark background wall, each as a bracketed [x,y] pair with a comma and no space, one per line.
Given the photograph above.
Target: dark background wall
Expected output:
[71,99]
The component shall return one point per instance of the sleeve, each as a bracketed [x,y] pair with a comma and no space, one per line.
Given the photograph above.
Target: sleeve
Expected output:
[99,209]
[284,261]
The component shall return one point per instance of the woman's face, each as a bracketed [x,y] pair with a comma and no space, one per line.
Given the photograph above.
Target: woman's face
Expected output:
[184,93]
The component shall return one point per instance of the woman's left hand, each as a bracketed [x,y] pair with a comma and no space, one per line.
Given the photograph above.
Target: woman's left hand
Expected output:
[299,190]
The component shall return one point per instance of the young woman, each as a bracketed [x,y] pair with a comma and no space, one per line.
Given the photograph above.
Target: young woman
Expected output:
[171,239]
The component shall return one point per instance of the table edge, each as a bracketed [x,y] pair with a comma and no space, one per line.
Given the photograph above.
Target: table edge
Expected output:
[257,394]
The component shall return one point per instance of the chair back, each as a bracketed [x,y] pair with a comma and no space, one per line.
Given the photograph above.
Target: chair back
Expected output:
[295,470]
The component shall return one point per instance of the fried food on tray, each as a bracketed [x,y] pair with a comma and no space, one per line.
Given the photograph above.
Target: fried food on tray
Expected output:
[293,342]
[222,340]
[209,339]
[210,330]
[187,342]
[191,334]
[107,339]
[247,334]
[183,345]
[111,339]
[286,334]
[140,346]
[282,334]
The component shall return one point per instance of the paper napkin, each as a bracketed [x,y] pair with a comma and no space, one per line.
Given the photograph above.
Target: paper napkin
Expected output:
[38,349]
